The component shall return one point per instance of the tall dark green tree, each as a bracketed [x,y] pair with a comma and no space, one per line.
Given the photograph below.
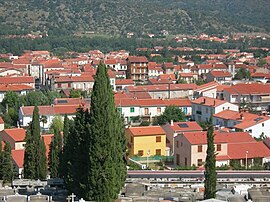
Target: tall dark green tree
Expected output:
[7,165]
[107,167]
[1,158]
[75,155]
[54,154]
[42,160]
[63,158]
[35,165]
[210,165]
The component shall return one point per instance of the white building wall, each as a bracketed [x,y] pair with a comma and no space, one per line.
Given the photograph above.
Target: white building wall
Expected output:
[259,129]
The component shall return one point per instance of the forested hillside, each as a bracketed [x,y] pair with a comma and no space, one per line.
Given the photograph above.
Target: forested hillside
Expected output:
[64,17]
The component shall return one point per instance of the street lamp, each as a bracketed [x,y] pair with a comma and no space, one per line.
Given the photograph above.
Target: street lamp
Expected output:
[148,153]
[246,160]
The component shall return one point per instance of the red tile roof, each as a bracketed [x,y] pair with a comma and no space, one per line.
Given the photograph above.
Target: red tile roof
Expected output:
[17,88]
[1,120]
[220,74]
[186,126]
[47,140]
[207,101]
[18,157]
[254,149]
[17,80]
[17,134]
[124,82]
[199,138]
[66,79]
[246,119]
[152,102]
[162,87]
[50,110]
[137,59]
[248,89]
[147,130]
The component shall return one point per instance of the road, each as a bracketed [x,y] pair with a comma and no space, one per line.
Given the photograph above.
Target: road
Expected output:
[196,174]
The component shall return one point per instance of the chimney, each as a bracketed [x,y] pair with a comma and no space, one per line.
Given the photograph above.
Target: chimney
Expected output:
[203,100]
[171,122]
[214,102]
[241,116]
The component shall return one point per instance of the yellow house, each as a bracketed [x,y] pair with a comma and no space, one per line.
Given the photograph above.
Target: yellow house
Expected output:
[146,141]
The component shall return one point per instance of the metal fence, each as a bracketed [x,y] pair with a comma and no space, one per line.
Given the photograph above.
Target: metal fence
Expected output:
[153,158]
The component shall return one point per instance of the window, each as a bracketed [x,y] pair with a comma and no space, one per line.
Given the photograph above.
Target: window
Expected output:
[59,85]
[206,110]
[158,110]
[119,109]
[199,162]
[69,85]
[146,111]
[262,124]
[158,139]
[199,148]
[140,152]
[181,144]
[177,144]
[219,147]
[158,152]
[132,109]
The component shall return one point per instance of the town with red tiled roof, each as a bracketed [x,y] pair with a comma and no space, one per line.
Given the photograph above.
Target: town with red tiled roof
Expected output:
[210,86]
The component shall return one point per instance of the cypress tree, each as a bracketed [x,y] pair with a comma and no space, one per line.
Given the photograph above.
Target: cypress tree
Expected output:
[66,129]
[63,157]
[1,159]
[106,171]
[75,155]
[29,163]
[7,165]
[54,154]
[42,159]
[35,151]
[210,166]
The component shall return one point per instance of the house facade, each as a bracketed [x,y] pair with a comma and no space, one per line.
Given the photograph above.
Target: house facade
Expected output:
[146,141]
[137,68]
[204,107]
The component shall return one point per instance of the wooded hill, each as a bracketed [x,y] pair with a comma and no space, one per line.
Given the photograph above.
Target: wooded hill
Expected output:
[65,17]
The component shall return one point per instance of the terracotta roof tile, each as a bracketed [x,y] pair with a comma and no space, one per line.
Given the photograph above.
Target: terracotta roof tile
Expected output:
[220,74]
[207,101]
[17,134]
[186,126]
[248,89]
[137,59]
[50,110]
[254,149]
[16,88]
[18,157]
[17,80]
[199,138]
[145,131]
[124,82]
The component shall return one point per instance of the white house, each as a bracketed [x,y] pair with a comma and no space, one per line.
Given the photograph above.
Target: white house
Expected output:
[204,107]
[254,124]
[148,109]
[256,94]
[51,111]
